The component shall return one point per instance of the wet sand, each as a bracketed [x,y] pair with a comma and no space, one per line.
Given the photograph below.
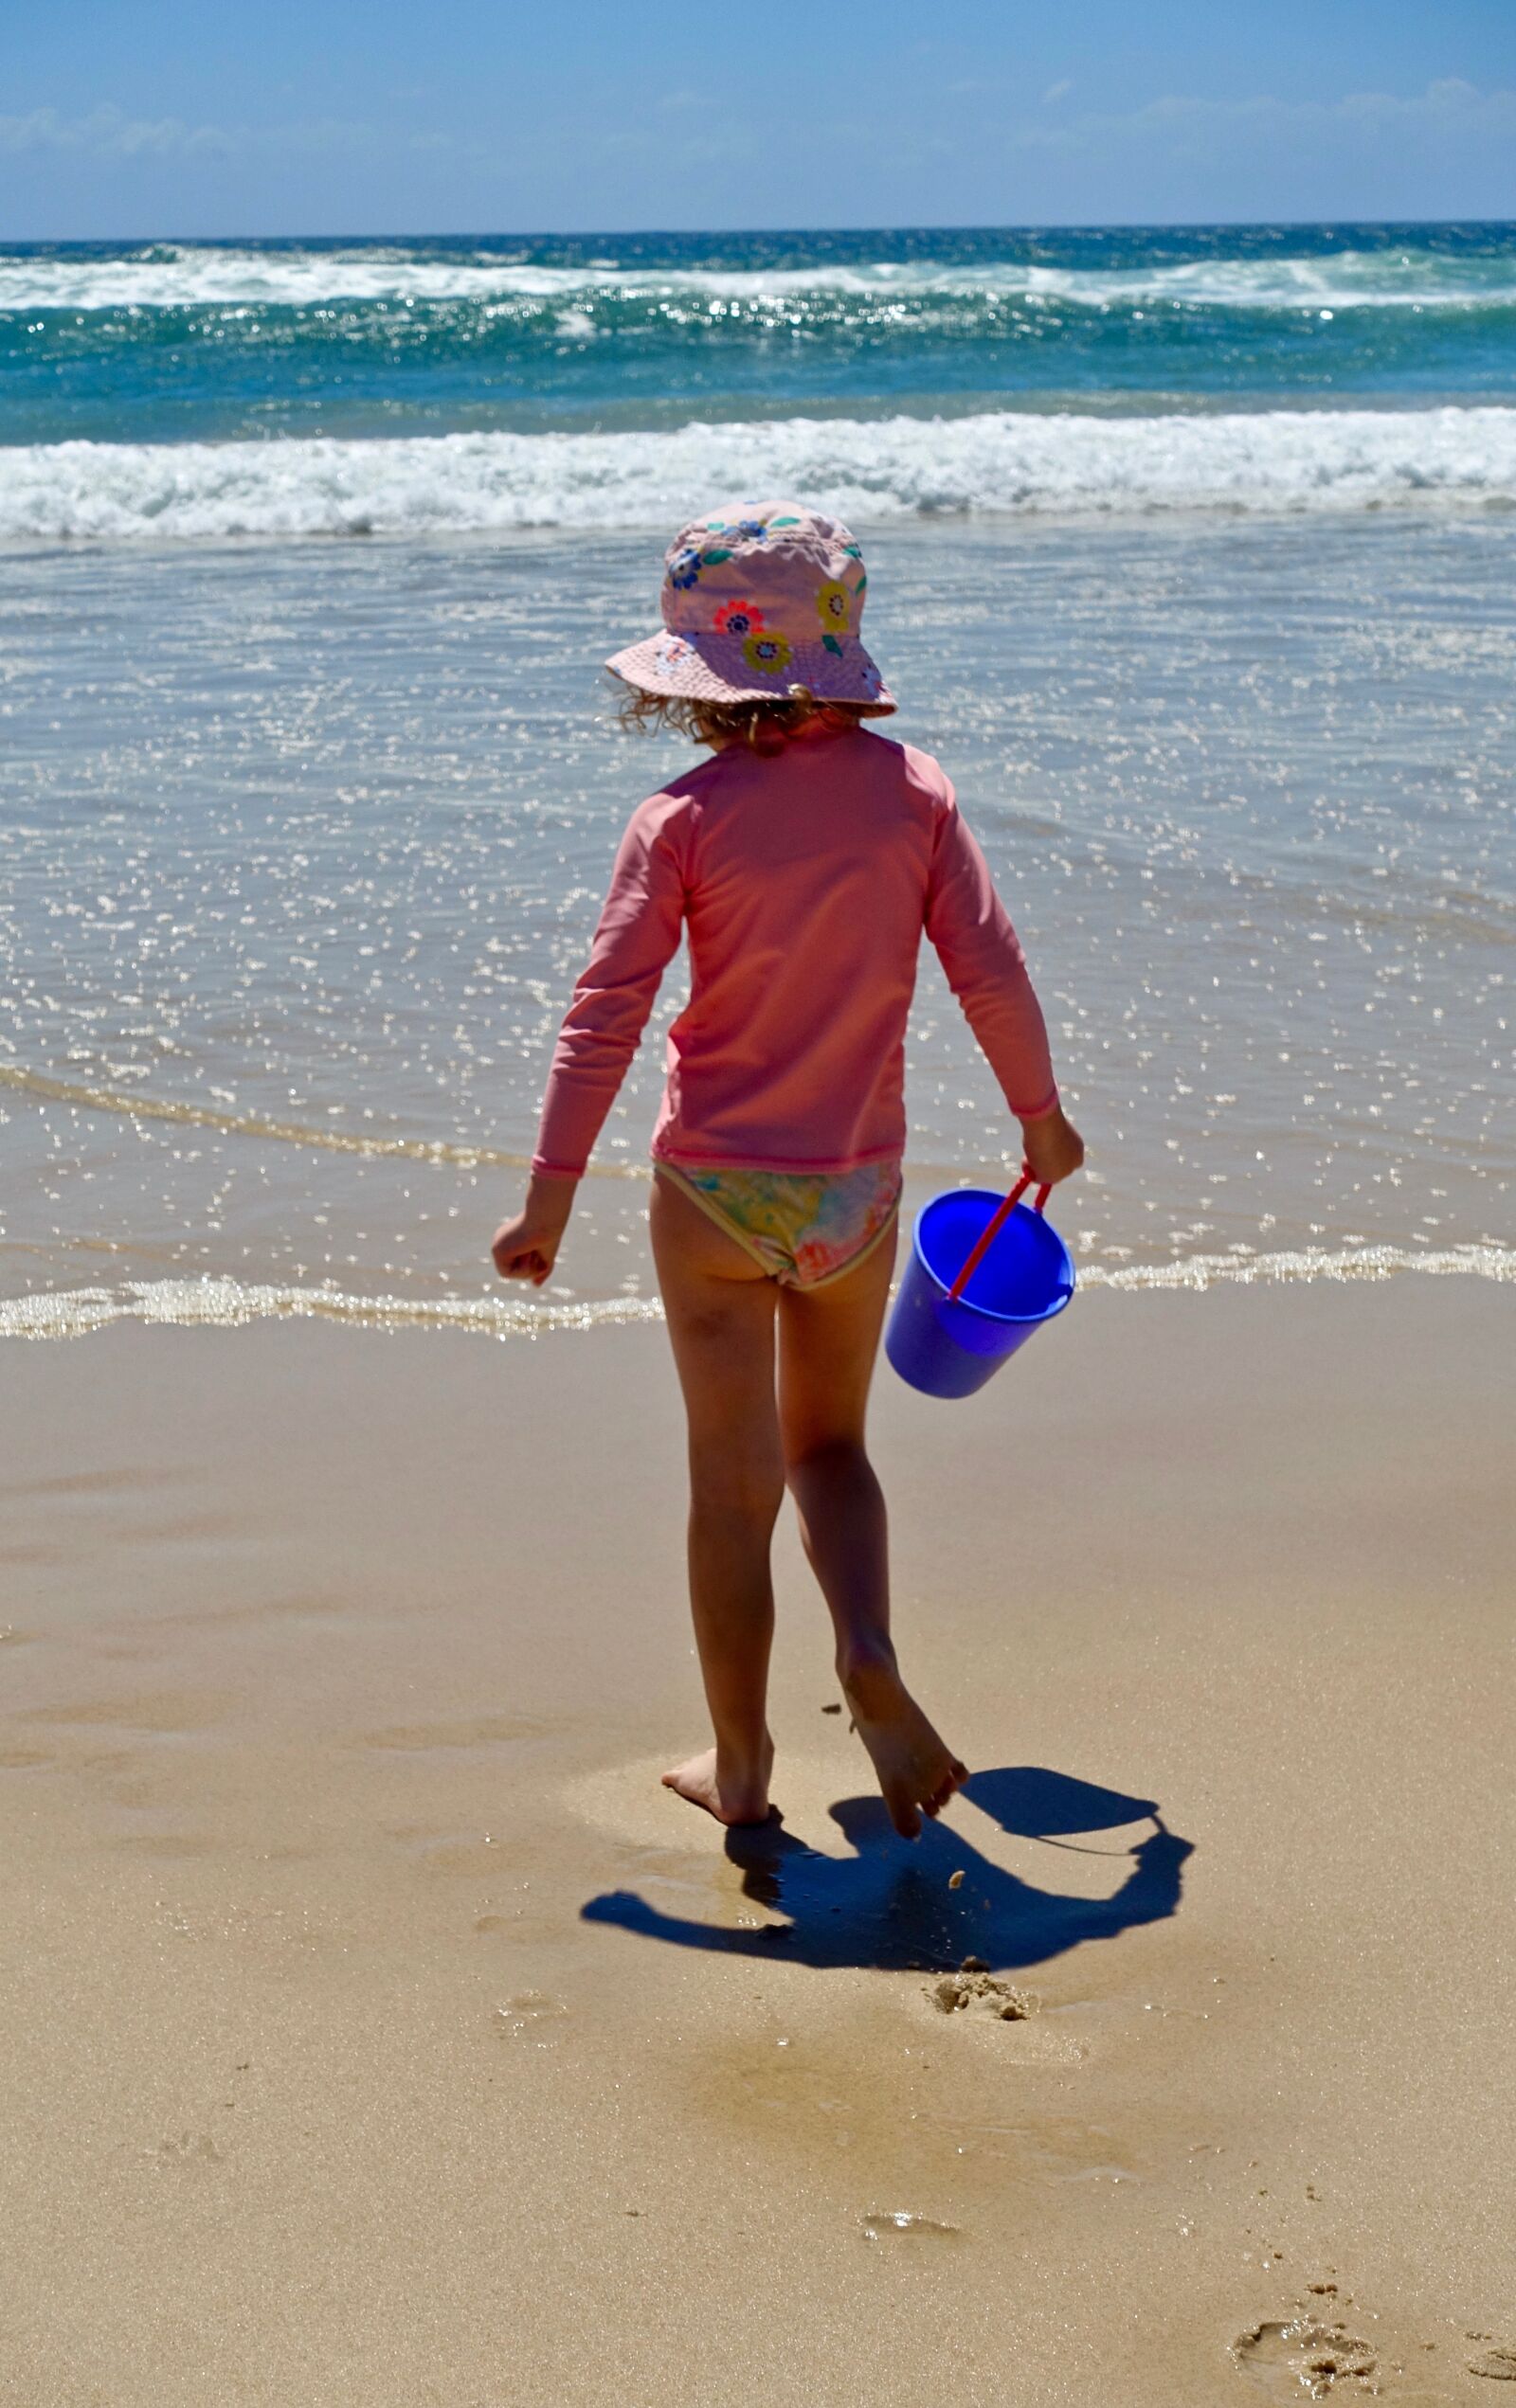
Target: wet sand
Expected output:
[379,2032]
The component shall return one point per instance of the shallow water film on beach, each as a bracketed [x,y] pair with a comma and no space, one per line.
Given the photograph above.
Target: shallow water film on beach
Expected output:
[305,838]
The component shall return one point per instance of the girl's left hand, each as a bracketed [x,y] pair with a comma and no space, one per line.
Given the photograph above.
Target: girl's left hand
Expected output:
[1051,1148]
[526,1247]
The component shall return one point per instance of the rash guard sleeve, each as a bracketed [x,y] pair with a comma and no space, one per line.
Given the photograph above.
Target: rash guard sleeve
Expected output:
[636,937]
[982,955]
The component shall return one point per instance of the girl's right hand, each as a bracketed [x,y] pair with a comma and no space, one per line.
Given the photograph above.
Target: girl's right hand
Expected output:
[527,1245]
[1051,1148]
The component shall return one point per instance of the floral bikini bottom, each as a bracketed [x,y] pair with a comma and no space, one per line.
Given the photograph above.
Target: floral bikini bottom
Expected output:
[804,1228]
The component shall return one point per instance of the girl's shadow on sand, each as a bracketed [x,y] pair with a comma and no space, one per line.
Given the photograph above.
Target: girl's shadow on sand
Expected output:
[890,1907]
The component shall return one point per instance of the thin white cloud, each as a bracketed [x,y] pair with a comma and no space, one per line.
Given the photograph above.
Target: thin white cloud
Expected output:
[1197,130]
[1058,91]
[109,133]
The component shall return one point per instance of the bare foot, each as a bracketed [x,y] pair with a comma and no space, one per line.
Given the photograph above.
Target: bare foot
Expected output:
[730,1796]
[919,1771]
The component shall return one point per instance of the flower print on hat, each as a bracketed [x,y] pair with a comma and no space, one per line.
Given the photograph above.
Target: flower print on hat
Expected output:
[768,654]
[738,618]
[753,592]
[834,606]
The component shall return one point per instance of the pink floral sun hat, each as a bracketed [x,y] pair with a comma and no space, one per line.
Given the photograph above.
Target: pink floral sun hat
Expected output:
[758,600]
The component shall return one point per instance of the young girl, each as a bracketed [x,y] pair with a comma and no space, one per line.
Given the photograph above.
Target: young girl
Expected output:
[805,857]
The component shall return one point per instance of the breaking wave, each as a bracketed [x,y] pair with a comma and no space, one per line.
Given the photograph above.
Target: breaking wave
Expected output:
[991,465]
[176,277]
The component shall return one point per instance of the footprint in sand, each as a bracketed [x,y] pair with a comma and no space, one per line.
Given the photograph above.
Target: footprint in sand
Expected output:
[297,1608]
[190,2149]
[85,1483]
[483,1731]
[1498,2364]
[167,1712]
[173,1846]
[1305,2358]
[523,2018]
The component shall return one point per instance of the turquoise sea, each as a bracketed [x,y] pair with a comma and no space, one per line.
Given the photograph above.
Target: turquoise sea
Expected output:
[179,343]
[1192,551]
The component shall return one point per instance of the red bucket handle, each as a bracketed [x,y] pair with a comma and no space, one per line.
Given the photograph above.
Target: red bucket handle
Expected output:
[992,1230]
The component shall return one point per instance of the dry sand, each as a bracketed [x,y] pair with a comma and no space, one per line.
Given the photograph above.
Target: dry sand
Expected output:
[378,2032]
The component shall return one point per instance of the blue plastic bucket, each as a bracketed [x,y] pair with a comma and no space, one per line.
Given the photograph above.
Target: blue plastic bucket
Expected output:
[949,1346]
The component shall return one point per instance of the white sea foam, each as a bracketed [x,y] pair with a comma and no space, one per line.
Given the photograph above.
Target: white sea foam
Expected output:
[228,1303]
[1337,280]
[1199,1271]
[188,277]
[992,465]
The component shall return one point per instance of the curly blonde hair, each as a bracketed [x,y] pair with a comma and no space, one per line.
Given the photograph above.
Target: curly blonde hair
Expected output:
[765,726]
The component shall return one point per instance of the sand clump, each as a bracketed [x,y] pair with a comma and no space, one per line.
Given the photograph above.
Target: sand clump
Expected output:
[974,1985]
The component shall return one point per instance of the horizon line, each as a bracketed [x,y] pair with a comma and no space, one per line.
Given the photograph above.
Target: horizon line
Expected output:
[646,233]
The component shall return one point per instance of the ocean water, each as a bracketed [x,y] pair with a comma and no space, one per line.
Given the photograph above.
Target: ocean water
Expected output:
[1192,553]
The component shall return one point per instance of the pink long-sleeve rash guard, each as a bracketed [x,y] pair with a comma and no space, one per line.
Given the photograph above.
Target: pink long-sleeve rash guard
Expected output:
[805,879]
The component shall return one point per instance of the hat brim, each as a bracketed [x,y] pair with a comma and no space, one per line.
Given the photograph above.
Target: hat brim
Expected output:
[716,669]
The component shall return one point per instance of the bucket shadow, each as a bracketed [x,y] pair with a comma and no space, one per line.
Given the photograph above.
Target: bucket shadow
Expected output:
[889,1905]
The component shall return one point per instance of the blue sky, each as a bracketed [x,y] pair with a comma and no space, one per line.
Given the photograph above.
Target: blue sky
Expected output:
[327,117]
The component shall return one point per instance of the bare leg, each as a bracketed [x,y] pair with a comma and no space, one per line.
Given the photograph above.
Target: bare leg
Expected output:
[720,1310]
[827,1342]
